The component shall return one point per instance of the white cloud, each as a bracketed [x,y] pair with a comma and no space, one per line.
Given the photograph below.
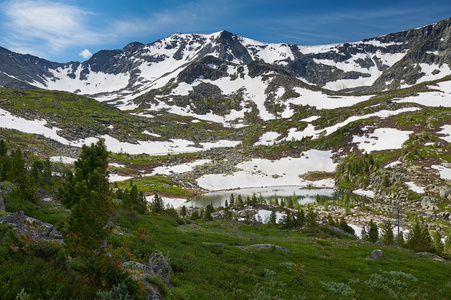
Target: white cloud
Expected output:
[51,26]
[85,54]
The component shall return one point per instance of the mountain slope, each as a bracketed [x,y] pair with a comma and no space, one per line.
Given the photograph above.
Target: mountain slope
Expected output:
[390,61]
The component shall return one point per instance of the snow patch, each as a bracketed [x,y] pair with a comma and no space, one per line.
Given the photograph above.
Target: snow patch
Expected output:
[62,159]
[382,139]
[116,177]
[268,138]
[445,173]
[446,132]
[364,193]
[413,187]
[282,172]
[187,167]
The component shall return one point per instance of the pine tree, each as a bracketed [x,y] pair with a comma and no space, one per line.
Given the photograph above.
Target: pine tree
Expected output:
[79,185]
[400,238]
[272,218]
[287,220]
[239,200]
[345,199]
[371,232]
[342,224]
[290,203]
[157,204]
[447,244]
[418,238]
[254,199]
[300,217]
[86,229]
[3,148]
[437,240]
[331,221]
[183,211]
[232,200]
[387,233]
[18,171]
[311,221]
[208,211]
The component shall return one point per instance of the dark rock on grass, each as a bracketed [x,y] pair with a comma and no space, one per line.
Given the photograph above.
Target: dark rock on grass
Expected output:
[2,204]
[264,246]
[378,254]
[36,230]
[157,268]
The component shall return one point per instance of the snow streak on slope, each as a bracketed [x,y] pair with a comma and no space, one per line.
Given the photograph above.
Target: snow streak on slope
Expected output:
[114,145]
[439,96]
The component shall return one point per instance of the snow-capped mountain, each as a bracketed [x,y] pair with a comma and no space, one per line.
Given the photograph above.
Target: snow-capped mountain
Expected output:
[182,61]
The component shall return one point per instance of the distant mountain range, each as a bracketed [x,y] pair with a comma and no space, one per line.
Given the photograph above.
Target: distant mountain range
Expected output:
[386,62]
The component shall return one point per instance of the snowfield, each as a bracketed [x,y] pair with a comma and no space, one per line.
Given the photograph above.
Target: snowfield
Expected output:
[381,139]
[445,173]
[413,187]
[439,96]
[187,167]
[282,172]
[112,144]
[361,192]
[446,132]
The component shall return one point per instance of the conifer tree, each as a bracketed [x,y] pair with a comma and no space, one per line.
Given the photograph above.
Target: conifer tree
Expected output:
[208,211]
[239,200]
[272,218]
[183,211]
[311,221]
[232,200]
[290,203]
[88,195]
[437,240]
[447,244]
[157,204]
[418,238]
[18,171]
[371,232]
[331,221]
[3,148]
[287,220]
[387,233]
[300,217]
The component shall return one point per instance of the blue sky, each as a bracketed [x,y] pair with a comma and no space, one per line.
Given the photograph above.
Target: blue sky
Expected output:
[66,30]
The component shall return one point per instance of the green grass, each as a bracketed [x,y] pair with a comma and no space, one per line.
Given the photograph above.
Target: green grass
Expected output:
[202,269]
[162,185]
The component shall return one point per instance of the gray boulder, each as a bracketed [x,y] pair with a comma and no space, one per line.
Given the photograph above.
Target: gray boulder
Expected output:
[160,266]
[157,267]
[2,204]
[36,230]
[428,202]
[445,192]
[377,254]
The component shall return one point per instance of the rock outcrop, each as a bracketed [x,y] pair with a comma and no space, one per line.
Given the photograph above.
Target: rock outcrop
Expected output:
[36,230]
[2,204]
[158,267]
[377,254]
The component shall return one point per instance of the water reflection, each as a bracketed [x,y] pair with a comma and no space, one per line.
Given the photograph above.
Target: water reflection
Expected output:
[303,196]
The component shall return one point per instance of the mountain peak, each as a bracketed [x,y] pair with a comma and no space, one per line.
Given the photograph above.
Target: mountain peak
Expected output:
[132,45]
